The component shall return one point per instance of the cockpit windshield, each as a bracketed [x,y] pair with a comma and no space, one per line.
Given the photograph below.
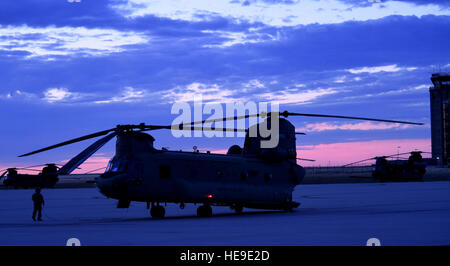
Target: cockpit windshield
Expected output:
[117,166]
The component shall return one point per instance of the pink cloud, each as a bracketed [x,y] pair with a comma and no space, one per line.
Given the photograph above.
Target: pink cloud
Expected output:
[317,127]
[325,154]
[346,152]
[220,151]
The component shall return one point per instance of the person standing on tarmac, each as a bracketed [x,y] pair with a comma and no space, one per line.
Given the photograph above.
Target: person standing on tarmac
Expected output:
[38,202]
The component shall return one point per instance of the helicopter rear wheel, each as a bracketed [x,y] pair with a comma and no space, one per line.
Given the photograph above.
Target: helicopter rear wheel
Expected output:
[288,209]
[204,211]
[157,211]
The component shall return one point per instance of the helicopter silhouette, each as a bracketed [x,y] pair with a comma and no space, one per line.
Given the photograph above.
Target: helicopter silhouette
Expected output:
[47,178]
[412,168]
[245,177]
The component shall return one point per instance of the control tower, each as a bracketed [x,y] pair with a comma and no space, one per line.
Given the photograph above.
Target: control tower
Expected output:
[440,118]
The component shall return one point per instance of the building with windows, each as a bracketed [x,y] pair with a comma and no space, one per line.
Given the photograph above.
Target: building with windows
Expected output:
[440,118]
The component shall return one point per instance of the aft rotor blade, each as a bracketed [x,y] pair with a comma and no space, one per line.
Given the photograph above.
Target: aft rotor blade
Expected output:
[94,135]
[397,154]
[420,152]
[286,114]
[85,154]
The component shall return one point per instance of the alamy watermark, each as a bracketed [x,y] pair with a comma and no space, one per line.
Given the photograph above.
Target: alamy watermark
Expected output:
[259,125]
[373,242]
[73,242]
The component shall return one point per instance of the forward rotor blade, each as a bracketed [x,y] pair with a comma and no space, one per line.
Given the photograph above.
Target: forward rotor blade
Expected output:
[28,169]
[190,127]
[57,164]
[4,173]
[84,155]
[213,129]
[373,158]
[303,159]
[210,121]
[94,135]
[286,114]
[95,170]
[227,118]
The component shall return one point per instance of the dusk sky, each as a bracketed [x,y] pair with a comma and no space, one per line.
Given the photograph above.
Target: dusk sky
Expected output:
[71,68]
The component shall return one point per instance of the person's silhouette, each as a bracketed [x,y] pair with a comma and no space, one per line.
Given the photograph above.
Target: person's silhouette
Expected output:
[38,202]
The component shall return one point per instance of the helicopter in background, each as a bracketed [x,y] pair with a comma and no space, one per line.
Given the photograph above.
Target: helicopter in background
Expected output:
[248,176]
[412,168]
[47,178]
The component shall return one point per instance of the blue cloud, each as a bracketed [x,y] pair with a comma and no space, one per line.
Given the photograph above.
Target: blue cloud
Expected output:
[313,58]
[359,3]
[58,13]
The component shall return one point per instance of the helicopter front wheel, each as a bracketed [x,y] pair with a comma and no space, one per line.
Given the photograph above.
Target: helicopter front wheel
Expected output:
[204,211]
[157,211]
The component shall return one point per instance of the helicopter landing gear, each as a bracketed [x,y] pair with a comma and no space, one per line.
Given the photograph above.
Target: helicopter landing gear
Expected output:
[204,211]
[157,211]
[289,207]
[238,208]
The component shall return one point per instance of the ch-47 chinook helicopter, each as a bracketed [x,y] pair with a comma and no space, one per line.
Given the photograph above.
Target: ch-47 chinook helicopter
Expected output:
[395,168]
[250,177]
[46,178]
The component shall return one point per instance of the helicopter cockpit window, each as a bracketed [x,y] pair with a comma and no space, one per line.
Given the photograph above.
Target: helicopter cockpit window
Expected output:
[117,166]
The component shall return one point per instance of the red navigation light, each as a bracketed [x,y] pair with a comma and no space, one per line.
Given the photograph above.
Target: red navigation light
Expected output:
[209,196]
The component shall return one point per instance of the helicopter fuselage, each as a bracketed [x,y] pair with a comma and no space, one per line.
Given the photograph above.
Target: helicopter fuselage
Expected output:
[191,177]
[138,172]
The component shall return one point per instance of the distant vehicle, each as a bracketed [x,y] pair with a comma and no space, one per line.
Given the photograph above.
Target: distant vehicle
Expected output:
[248,176]
[410,169]
[45,179]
